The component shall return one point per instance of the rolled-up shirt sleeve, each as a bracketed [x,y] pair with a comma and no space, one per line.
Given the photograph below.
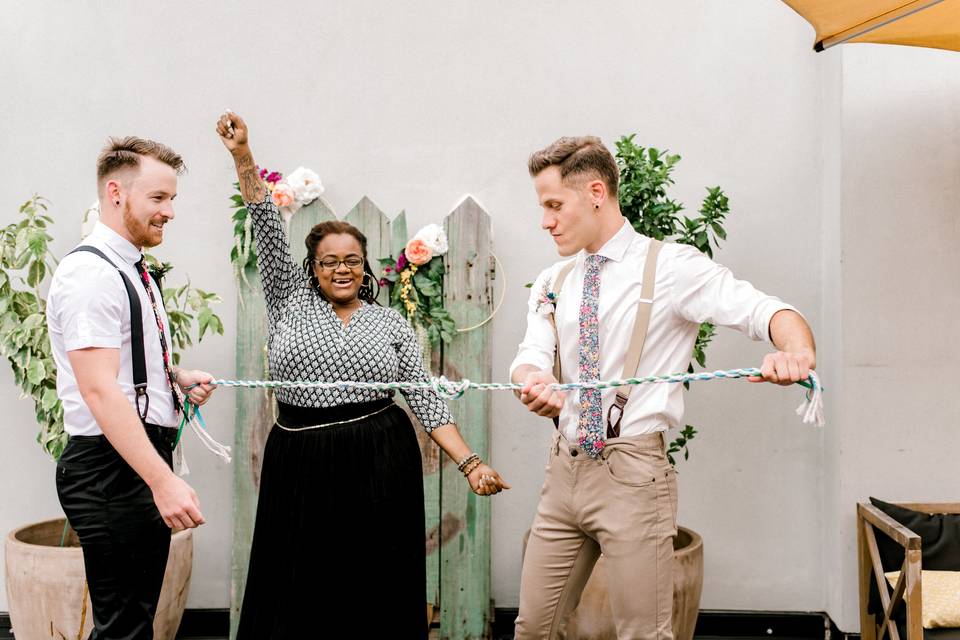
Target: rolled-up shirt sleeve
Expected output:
[539,343]
[704,291]
[89,304]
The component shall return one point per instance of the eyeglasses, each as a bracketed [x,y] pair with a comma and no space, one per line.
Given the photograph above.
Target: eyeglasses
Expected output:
[331,264]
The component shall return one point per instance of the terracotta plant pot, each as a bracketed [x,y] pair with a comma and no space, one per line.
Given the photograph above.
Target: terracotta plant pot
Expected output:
[593,618]
[46,589]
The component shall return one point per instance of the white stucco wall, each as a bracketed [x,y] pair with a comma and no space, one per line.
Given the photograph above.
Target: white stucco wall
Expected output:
[415,107]
[896,437]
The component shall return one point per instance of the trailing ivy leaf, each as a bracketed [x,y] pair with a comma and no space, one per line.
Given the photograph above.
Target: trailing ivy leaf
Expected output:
[32,321]
[427,288]
[49,400]
[36,273]
[36,371]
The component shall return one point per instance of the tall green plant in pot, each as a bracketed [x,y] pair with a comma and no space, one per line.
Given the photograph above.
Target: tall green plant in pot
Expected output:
[44,567]
[645,177]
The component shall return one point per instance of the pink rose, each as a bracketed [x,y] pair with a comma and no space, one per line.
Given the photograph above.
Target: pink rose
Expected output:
[283,196]
[418,252]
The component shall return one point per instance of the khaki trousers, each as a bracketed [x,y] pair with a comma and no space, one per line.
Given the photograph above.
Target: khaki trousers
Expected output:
[622,504]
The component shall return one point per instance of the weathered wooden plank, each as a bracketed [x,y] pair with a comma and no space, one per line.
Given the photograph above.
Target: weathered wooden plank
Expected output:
[374,224]
[429,452]
[465,524]
[383,242]
[302,222]
[254,415]
[255,408]
[398,233]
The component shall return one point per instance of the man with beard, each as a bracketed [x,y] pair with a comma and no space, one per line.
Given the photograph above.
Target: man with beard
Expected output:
[121,393]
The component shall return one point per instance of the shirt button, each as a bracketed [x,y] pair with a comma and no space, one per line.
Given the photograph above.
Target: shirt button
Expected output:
[574,452]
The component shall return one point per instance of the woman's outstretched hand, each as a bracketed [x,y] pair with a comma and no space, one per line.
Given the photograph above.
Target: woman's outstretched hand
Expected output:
[485,481]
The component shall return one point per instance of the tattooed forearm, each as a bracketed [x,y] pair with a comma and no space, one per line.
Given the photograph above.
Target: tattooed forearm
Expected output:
[251,186]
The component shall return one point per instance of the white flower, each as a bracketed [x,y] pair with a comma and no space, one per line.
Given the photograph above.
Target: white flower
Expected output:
[306,185]
[90,218]
[435,238]
[546,299]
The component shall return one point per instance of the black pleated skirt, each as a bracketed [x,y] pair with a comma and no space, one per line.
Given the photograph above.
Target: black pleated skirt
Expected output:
[338,546]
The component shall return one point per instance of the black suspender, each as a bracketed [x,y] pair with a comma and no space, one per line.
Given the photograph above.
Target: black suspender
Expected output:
[137,351]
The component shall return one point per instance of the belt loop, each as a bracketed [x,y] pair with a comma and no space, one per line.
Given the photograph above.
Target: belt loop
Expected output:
[663,442]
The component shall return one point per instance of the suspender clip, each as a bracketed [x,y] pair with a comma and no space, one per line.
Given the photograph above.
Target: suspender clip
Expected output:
[613,428]
[141,390]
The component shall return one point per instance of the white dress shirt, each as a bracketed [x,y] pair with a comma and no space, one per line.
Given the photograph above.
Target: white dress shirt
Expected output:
[690,289]
[87,306]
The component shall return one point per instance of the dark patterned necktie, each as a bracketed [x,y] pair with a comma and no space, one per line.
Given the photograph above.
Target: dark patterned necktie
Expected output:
[167,366]
[590,432]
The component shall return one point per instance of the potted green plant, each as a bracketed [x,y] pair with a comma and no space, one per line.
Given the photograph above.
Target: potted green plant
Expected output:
[645,177]
[46,589]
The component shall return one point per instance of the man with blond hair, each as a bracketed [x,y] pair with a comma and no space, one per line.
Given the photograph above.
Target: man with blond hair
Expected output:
[121,393]
[620,304]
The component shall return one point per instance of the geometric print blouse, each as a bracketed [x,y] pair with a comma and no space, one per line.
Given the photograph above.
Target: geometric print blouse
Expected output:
[308,341]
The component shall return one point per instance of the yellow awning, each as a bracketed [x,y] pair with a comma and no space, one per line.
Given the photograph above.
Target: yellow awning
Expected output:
[921,23]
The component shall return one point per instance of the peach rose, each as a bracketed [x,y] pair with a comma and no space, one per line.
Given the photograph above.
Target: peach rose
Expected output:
[418,252]
[283,195]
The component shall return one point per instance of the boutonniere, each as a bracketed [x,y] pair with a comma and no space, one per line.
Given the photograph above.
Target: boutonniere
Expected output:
[547,299]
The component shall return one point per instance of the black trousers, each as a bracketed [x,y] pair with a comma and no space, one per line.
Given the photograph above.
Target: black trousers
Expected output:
[125,542]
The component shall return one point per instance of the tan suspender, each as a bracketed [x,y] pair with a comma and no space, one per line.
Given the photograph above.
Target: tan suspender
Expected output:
[632,360]
[640,326]
[557,285]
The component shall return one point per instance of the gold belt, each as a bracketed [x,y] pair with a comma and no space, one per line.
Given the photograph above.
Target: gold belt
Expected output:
[333,424]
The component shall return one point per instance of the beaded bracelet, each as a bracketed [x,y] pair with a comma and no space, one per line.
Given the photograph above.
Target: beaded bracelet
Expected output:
[463,463]
[471,466]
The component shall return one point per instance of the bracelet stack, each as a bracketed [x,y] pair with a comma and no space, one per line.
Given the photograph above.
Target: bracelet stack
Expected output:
[468,464]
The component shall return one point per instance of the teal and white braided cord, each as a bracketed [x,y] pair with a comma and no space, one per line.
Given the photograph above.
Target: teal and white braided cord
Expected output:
[811,410]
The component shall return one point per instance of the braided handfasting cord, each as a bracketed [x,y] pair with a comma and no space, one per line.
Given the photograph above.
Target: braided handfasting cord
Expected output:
[811,410]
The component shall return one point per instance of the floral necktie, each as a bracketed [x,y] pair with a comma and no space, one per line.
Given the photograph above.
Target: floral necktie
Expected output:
[590,432]
[167,368]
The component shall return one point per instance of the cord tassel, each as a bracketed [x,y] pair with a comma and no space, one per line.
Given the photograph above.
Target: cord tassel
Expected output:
[811,409]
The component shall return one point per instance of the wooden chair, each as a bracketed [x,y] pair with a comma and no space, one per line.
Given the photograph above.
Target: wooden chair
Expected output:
[907,590]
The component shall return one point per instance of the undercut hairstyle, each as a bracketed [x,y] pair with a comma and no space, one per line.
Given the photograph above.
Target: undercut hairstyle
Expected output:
[578,157]
[125,153]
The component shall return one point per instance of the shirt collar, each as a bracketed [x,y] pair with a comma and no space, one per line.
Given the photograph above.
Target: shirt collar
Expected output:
[616,247]
[120,245]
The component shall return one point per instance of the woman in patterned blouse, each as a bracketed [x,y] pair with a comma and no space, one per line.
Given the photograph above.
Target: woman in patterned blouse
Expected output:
[338,546]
